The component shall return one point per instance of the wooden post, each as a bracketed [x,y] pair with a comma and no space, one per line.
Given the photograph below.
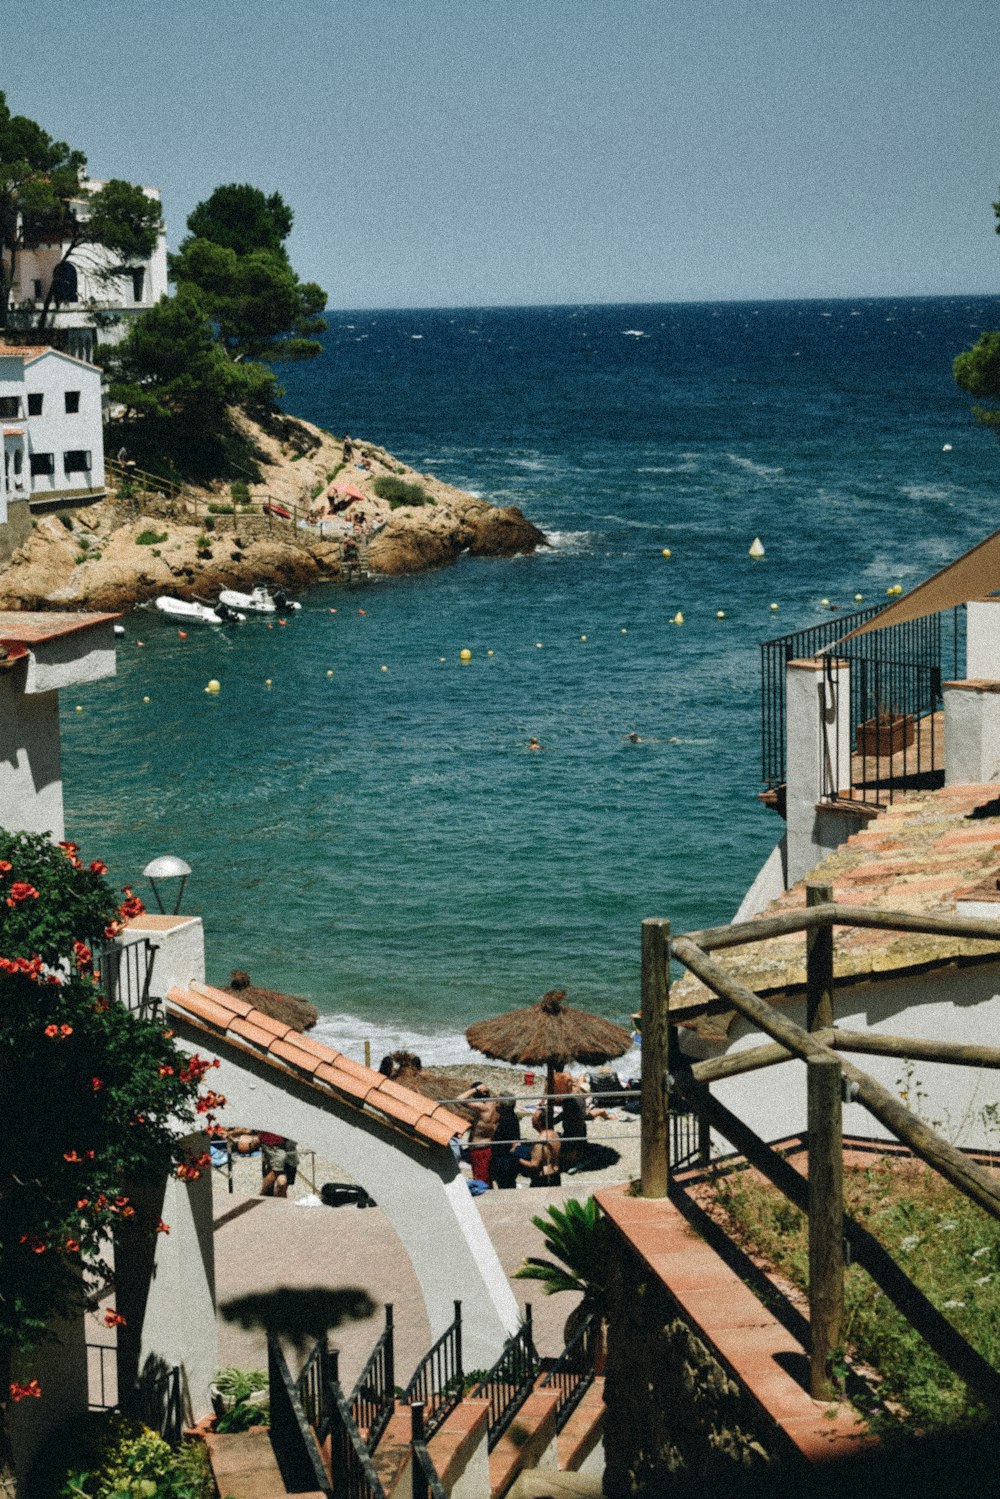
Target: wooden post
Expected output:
[654,1150]
[826,1221]
[819,965]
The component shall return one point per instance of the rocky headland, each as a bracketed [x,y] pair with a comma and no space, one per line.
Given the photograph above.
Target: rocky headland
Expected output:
[140,542]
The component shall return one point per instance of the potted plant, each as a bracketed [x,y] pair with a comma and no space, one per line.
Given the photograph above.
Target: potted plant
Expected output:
[886,733]
[232,1386]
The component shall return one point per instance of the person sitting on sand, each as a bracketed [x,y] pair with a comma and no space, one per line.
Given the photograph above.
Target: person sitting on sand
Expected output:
[279,1161]
[503,1159]
[542,1164]
[571,1116]
[485,1117]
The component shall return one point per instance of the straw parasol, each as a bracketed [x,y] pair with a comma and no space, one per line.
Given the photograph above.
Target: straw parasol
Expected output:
[550,1032]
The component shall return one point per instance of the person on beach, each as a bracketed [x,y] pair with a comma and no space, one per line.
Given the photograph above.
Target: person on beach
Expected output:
[347,452]
[279,1163]
[571,1117]
[542,1164]
[485,1118]
[503,1160]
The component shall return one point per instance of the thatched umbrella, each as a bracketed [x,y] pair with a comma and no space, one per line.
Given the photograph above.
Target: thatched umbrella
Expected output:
[290,1008]
[549,1032]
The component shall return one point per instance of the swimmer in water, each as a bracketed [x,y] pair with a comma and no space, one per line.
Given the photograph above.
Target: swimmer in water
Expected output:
[533,743]
[633,738]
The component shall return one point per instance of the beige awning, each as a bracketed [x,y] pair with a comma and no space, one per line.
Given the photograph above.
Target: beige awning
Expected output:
[975,575]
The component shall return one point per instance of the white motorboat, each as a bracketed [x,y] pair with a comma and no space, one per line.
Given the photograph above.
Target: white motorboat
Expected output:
[188,612]
[260,600]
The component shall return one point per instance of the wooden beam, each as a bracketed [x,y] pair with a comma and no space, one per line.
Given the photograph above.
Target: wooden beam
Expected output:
[899,1121]
[738,933]
[735,1063]
[819,964]
[826,1222]
[978,928]
[654,1145]
[917,1049]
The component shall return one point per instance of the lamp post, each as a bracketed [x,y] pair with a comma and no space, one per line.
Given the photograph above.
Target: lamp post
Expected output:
[167,867]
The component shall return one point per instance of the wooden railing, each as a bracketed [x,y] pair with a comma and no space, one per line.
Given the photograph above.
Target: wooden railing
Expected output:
[667,1075]
[438,1381]
[510,1381]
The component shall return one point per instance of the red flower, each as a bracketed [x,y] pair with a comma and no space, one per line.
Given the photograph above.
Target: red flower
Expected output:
[97,867]
[70,848]
[97,1083]
[65,1030]
[82,953]
[72,1157]
[162,1228]
[112,929]
[19,891]
[5,866]
[83,1203]
[113,1318]
[72,1246]
[51,1030]
[165,1071]
[168,1035]
[30,1391]
[34,1243]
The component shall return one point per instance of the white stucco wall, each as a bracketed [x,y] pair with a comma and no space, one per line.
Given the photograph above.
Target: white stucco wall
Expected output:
[955,1004]
[971,732]
[419,1188]
[818,761]
[72,660]
[30,775]
[982,640]
[768,885]
[180,949]
[53,375]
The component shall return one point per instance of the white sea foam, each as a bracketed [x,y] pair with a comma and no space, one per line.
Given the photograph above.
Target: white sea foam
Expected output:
[927,491]
[759,470]
[574,542]
[532,465]
[634,333]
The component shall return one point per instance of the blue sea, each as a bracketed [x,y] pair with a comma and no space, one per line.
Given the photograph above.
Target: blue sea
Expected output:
[381,840]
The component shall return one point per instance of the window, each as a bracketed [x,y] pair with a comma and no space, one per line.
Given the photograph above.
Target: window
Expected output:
[43,463]
[35,403]
[72,400]
[10,406]
[138,281]
[76,461]
[38,290]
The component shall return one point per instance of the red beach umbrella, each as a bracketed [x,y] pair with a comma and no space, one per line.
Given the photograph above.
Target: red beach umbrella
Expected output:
[351,490]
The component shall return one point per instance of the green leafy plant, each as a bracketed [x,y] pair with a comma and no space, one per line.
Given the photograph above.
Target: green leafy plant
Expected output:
[84,543]
[240,492]
[577,1235]
[244,1414]
[139,1464]
[215,508]
[398,492]
[239,1384]
[150,538]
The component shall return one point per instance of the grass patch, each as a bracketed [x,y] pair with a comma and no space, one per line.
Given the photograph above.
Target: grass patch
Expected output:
[398,492]
[149,538]
[948,1247]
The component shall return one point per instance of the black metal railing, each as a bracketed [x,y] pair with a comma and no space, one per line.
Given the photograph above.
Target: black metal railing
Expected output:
[510,1381]
[292,1437]
[425,1481]
[896,734]
[312,1386]
[373,1399]
[126,971]
[352,1472]
[891,659]
[574,1370]
[438,1381]
[688,1140]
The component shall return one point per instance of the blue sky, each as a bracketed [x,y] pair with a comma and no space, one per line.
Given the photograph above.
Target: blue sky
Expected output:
[458,152]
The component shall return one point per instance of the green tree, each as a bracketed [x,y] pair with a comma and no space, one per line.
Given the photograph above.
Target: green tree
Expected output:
[43,199]
[235,263]
[977,370]
[577,1235]
[91,1098]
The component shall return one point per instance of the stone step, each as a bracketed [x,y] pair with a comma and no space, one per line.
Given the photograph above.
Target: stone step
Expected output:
[578,1445]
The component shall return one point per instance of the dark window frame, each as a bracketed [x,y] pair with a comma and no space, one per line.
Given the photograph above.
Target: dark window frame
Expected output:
[6,414]
[77,461]
[39,465]
[35,400]
[72,402]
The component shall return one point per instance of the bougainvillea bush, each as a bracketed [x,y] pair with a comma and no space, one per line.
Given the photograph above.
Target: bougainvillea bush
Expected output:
[92,1098]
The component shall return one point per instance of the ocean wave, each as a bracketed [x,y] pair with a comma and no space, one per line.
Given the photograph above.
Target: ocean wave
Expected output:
[928,491]
[688,465]
[759,470]
[532,465]
[573,542]
[636,525]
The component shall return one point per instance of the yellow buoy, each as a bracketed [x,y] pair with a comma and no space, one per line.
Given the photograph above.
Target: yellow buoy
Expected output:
[583,638]
[773,608]
[79,707]
[666,552]
[442,658]
[539,646]
[756,549]
[678,618]
[214,686]
[330,673]
[624,631]
[145,699]
[465,654]
[824,603]
[489,653]
[384,668]
[858,597]
[267,682]
[720,613]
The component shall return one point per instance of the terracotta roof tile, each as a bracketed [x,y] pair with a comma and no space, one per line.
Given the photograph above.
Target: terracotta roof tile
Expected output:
[228,1018]
[921,855]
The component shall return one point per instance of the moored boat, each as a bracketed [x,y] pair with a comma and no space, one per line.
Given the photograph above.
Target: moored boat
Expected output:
[260,600]
[188,611]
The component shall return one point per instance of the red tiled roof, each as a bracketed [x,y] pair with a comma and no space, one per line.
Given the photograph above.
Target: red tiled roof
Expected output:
[26,628]
[28,352]
[228,1019]
[923,854]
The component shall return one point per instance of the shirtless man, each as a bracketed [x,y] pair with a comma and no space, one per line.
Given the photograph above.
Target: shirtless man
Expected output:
[485,1118]
[542,1165]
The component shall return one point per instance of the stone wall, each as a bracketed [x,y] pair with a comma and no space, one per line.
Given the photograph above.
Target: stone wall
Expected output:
[16,530]
[676,1420]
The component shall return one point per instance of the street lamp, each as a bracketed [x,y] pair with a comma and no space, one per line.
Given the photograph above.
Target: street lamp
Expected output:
[167,867]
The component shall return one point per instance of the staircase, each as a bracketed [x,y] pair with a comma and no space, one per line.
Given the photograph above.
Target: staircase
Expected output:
[433,1442]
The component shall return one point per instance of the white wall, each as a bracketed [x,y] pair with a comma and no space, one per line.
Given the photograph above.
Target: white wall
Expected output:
[419,1188]
[30,775]
[56,431]
[955,1004]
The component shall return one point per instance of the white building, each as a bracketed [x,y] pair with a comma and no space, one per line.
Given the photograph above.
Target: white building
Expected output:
[50,414]
[84,293]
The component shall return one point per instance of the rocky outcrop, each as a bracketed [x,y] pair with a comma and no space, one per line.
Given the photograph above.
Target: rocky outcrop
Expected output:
[102,556]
